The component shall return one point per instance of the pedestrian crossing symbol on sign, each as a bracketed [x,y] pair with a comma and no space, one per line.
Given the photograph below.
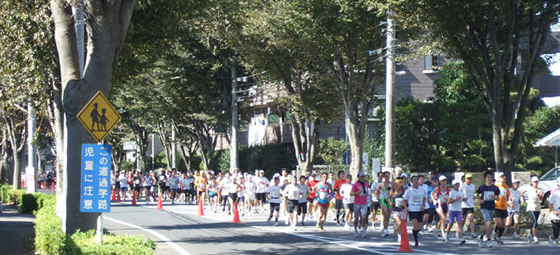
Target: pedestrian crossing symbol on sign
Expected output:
[99,117]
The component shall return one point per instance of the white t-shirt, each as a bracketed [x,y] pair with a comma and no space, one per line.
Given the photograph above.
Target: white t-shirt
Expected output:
[373,187]
[250,188]
[123,181]
[304,189]
[456,206]
[292,191]
[345,190]
[262,184]
[515,197]
[414,198]
[554,202]
[468,192]
[275,193]
[147,181]
[224,185]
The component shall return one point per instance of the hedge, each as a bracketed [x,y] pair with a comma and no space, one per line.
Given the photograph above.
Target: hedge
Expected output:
[9,195]
[49,238]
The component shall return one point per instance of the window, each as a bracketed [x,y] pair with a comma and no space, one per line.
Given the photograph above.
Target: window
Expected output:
[431,64]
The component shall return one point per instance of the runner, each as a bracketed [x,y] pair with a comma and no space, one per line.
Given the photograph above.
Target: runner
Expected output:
[384,194]
[347,200]
[302,201]
[293,193]
[440,195]
[500,213]
[488,193]
[468,189]
[262,185]
[514,205]
[360,193]
[175,184]
[375,205]
[430,213]
[123,181]
[399,210]
[312,198]
[338,201]
[554,206]
[202,184]
[455,200]
[162,180]
[224,191]
[241,194]
[250,191]
[534,199]
[213,194]
[324,191]
[274,194]
[415,200]
[147,183]
[186,188]
[233,189]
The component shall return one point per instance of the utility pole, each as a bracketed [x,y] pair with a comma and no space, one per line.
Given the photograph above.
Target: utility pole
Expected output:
[31,170]
[233,161]
[390,97]
[173,146]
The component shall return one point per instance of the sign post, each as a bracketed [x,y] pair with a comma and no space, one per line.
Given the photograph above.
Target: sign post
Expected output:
[99,117]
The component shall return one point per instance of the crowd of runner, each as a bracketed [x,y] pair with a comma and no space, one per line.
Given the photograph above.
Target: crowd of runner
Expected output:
[428,202]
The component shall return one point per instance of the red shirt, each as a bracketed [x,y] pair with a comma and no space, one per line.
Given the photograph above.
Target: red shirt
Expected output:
[311,185]
[337,186]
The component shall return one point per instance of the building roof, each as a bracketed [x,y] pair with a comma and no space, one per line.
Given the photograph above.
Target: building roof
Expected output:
[552,139]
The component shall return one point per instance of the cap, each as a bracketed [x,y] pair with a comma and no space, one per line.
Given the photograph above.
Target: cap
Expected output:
[442,177]
[261,171]
[534,179]
[514,181]
[455,182]
[361,174]
[403,175]
[434,179]
[499,174]
[468,176]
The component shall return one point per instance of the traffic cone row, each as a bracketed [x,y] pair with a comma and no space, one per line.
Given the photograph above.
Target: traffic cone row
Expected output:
[44,185]
[52,185]
[235,214]
[200,208]
[134,199]
[118,196]
[113,199]
[405,242]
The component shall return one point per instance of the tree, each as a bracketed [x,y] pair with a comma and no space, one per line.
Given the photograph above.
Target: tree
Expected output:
[106,25]
[490,37]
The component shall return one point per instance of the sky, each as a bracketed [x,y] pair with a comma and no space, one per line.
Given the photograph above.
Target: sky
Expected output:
[554,66]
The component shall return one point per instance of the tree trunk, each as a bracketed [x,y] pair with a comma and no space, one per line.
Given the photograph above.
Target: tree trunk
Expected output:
[106,25]
[305,135]
[355,131]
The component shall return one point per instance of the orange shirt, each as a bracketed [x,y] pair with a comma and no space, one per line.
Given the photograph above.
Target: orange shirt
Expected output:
[337,186]
[501,203]
[202,183]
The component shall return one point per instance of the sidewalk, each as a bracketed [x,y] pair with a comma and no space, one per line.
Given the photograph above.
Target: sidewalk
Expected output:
[17,232]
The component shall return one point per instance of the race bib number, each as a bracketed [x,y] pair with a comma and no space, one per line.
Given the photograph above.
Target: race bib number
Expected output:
[503,192]
[488,195]
[322,195]
[417,199]
[399,202]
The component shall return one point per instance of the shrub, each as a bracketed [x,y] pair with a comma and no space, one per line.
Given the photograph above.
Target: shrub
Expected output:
[27,203]
[5,192]
[49,238]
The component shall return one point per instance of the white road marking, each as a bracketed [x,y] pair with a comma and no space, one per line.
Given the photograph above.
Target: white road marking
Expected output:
[171,244]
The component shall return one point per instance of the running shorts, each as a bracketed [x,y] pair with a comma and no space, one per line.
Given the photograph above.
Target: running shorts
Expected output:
[200,192]
[360,210]
[375,205]
[385,201]
[500,214]
[466,211]
[274,207]
[292,205]
[212,194]
[311,200]
[488,214]
[454,216]
[349,208]
[444,208]
[302,208]
[338,204]
[261,197]
[418,216]
[512,213]
[327,205]
[233,197]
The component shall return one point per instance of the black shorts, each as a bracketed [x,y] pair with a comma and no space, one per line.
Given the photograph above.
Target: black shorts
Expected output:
[349,208]
[261,197]
[137,188]
[292,205]
[302,208]
[274,207]
[418,216]
[500,214]
[465,212]
[186,191]
[241,199]
[338,204]
[167,188]
[311,200]
[200,192]
[375,205]
[234,197]
[432,215]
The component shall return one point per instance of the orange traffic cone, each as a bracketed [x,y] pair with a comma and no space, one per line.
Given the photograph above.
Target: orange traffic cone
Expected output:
[133,199]
[405,242]
[113,195]
[235,214]
[44,185]
[118,196]
[52,185]
[200,208]
[159,205]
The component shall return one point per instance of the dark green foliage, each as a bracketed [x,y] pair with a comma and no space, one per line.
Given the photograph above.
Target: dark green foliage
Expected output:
[27,203]
[271,158]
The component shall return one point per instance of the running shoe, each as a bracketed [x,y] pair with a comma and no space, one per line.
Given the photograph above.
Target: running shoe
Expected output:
[530,238]
[473,235]
[549,241]
[356,234]
[489,244]
[276,224]
[398,238]
[346,226]
[287,221]
[535,239]
[499,240]
[364,234]
[481,243]
[493,236]
[415,244]
[318,225]
[515,236]
[436,234]
[446,238]
[463,241]
[269,218]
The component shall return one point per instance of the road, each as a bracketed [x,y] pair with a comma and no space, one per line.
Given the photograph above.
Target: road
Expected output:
[178,229]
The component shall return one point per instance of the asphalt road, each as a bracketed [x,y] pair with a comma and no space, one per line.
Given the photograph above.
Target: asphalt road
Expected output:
[178,230]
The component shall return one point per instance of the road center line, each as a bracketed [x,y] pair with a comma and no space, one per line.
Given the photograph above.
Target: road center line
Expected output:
[171,244]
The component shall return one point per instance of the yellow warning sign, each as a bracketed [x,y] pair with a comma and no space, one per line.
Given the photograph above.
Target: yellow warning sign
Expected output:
[99,116]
